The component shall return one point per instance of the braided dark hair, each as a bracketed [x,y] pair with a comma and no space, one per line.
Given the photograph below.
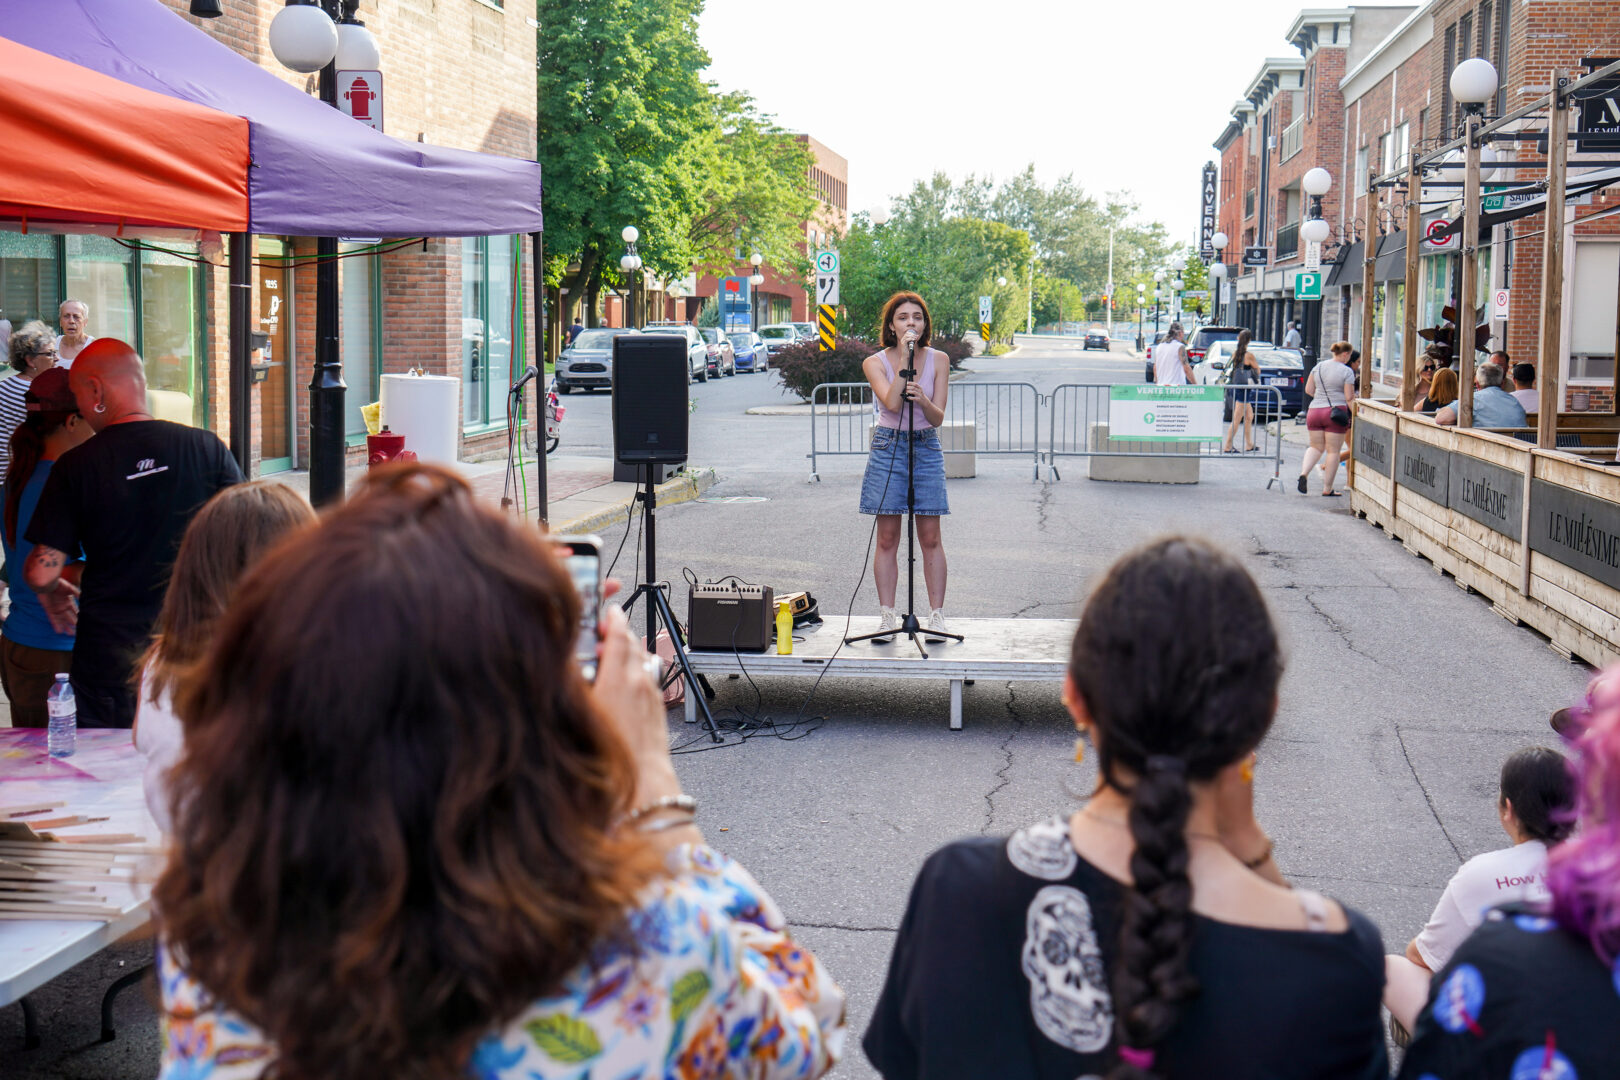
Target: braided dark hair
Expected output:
[1177,661]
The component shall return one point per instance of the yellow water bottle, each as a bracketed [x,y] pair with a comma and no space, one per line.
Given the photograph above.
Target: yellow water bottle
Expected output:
[784,628]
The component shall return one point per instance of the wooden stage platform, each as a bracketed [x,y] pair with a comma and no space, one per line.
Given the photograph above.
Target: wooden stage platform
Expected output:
[996,650]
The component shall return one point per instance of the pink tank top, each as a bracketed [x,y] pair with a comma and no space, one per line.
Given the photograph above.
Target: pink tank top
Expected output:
[897,420]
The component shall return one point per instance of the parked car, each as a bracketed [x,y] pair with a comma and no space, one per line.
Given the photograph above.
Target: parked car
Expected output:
[697,350]
[587,364]
[1212,368]
[1284,369]
[1154,339]
[779,336]
[1097,338]
[1199,340]
[807,330]
[722,356]
[750,351]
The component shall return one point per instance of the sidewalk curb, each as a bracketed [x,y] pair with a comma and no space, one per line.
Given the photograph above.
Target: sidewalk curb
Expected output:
[692,483]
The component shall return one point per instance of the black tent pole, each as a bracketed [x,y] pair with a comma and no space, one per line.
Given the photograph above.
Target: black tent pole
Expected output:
[240,313]
[542,345]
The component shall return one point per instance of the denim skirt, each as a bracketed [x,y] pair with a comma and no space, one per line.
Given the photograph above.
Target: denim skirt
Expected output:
[883,489]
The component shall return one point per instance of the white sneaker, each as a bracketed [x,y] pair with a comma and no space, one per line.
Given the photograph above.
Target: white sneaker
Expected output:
[888,623]
[935,625]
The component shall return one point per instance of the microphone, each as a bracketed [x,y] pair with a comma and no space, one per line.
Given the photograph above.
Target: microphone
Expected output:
[528,376]
[909,372]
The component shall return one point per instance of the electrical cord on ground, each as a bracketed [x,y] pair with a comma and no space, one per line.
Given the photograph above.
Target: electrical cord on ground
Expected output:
[788,732]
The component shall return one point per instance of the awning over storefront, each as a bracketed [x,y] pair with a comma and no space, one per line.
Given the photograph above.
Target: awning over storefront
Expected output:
[314,171]
[1348,270]
[1391,258]
[84,148]
[1522,201]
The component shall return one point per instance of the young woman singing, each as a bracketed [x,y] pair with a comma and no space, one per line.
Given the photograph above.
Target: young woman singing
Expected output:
[907,411]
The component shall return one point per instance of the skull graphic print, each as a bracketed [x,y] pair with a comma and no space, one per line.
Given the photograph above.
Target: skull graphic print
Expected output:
[1068,984]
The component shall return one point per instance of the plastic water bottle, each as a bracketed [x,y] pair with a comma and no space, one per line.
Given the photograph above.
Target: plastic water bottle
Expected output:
[784,629]
[62,736]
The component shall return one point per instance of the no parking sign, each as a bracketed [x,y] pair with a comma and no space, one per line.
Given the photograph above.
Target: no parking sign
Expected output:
[1499,304]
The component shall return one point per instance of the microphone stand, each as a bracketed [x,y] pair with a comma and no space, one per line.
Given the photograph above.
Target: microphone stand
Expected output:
[909,626]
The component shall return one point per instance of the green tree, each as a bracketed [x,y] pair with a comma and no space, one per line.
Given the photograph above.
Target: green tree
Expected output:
[624,130]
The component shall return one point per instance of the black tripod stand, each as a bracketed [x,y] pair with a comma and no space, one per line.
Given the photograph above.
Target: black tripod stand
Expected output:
[658,607]
[909,625]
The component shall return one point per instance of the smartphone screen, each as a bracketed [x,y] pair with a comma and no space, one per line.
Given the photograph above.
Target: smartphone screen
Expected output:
[582,555]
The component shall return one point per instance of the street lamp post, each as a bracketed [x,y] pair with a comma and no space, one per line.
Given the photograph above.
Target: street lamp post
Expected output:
[1315,183]
[630,264]
[1141,301]
[1217,271]
[1158,283]
[755,280]
[1473,83]
[307,36]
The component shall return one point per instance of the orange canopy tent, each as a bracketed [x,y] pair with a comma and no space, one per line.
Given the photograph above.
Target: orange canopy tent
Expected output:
[85,148]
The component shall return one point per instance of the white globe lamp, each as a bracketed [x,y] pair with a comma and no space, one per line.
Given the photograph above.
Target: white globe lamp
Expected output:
[627,263]
[630,234]
[1218,241]
[1474,82]
[303,38]
[357,49]
[1217,270]
[1314,230]
[1316,182]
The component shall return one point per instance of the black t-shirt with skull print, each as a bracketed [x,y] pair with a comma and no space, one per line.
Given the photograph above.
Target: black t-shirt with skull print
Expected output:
[1001,970]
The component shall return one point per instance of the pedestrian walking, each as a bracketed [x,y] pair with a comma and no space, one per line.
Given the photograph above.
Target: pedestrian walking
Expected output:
[511,884]
[1330,387]
[32,651]
[1170,364]
[1244,371]
[907,411]
[575,329]
[224,541]
[1531,992]
[73,316]
[124,498]
[1070,949]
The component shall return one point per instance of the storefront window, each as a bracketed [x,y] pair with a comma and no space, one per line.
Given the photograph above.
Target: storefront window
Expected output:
[488,307]
[356,279]
[1397,337]
[28,278]
[100,272]
[1380,321]
[169,333]
[1591,312]
[1437,273]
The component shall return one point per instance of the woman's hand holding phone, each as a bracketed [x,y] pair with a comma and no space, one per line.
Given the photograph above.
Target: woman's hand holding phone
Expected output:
[632,701]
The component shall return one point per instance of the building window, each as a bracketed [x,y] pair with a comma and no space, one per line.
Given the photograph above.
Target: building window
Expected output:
[1592,311]
[488,298]
[1310,91]
[357,281]
[169,323]
[1449,63]
[100,271]
[1359,178]
[1403,143]
[1423,124]
[29,271]
[1503,25]
[1385,164]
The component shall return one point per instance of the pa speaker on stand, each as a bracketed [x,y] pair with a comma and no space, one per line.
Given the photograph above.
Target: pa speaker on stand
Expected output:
[650,421]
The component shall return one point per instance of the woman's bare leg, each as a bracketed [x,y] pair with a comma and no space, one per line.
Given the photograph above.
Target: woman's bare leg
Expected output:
[885,560]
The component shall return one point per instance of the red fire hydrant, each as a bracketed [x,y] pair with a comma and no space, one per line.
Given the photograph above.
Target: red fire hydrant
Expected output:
[384,447]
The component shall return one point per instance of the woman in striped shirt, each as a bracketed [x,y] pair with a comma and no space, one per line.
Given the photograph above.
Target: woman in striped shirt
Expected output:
[32,350]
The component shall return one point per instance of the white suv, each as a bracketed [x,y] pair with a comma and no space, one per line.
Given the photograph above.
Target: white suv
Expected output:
[697,350]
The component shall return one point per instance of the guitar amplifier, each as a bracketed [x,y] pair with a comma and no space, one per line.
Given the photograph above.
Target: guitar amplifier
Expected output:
[722,617]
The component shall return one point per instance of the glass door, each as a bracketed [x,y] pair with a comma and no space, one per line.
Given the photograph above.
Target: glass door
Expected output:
[275,393]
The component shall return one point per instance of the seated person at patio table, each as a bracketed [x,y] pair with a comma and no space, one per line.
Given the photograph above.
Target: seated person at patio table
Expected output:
[1524,387]
[1536,800]
[1493,406]
[411,841]
[1442,392]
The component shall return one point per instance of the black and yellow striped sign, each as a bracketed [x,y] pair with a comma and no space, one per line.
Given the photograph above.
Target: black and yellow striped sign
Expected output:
[829,327]
[984,332]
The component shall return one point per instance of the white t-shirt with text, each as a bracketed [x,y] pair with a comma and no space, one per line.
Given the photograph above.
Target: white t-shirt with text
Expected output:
[1508,876]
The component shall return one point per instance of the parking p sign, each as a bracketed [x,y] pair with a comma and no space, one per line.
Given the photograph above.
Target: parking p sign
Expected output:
[1308,285]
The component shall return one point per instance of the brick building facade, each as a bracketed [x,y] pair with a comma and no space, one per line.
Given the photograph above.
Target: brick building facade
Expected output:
[457,73]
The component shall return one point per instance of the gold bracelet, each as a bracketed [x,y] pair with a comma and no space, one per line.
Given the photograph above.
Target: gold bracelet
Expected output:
[668,802]
[1259,860]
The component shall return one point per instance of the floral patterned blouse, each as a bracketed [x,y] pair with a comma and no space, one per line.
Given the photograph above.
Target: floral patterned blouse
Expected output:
[719,990]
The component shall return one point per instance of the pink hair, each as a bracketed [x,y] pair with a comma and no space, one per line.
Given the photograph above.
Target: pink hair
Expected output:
[1583,872]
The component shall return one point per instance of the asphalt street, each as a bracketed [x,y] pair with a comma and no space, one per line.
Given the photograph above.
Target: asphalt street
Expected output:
[1402,694]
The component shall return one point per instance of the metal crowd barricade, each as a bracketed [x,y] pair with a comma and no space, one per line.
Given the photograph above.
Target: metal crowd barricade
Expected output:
[1005,419]
[1079,410]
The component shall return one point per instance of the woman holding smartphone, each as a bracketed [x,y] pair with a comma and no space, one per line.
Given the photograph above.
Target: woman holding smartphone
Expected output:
[908,414]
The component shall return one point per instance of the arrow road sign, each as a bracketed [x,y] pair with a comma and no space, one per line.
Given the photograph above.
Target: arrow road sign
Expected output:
[827,262]
[827,290]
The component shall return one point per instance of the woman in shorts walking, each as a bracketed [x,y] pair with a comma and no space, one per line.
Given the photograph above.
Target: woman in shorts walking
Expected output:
[1331,386]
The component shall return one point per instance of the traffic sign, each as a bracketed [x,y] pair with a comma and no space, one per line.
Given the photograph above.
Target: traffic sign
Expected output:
[1499,304]
[984,309]
[1308,285]
[1313,255]
[827,262]
[827,290]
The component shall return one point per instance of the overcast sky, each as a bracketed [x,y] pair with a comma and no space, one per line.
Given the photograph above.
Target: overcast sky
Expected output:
[1126,95]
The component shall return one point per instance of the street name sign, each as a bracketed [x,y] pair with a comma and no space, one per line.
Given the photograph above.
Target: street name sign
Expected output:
[1308,285]
[1166,413]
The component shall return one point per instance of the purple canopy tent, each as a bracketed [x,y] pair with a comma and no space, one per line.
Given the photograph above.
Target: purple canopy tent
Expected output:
[313,171]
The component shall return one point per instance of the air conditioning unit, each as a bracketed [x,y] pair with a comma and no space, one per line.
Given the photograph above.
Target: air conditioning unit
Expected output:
[1271,142]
